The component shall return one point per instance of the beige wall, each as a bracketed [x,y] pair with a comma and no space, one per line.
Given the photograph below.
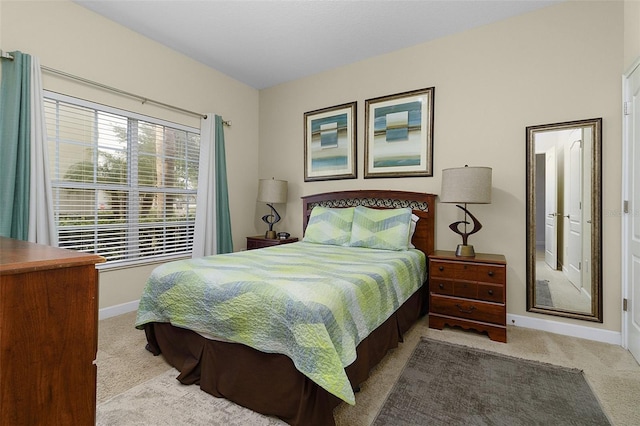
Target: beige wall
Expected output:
[557,64]
[67,37]
[631,33]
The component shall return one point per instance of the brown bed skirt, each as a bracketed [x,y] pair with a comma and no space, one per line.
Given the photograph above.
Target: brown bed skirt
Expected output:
[269,383]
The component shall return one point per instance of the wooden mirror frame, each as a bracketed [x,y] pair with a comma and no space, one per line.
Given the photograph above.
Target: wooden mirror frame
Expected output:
[596,217]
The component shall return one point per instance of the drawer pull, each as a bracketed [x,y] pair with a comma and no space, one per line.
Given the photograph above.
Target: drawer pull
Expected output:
[491,292]
[441,268]
[466,311]
[490,273]
[441,286]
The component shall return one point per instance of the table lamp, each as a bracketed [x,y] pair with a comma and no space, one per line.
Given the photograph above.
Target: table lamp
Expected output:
[272,191]
[466,185]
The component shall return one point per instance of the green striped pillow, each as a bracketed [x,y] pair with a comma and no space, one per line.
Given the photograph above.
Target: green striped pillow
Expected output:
[329,226]
[386,229]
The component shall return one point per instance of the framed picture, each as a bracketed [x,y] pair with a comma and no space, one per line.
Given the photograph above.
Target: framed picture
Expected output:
[399,135]
[330,143]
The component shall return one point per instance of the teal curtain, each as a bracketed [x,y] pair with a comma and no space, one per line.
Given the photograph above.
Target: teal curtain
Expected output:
[212,229]
[223,217]
[15,127]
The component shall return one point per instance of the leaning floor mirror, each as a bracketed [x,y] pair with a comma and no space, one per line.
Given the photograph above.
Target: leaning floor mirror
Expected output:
[564,217]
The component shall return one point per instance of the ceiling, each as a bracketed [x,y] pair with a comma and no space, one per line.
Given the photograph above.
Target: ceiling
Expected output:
[268,42]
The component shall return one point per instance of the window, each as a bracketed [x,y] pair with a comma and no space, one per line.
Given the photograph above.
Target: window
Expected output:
[124,185]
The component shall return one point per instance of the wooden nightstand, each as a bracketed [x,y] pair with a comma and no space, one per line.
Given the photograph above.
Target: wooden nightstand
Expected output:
[259,241]
[469,292]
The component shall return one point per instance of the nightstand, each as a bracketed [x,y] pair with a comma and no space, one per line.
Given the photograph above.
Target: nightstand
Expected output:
[469,292]
[259,241]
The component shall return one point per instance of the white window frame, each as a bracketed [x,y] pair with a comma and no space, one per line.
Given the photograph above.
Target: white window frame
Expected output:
[132,118]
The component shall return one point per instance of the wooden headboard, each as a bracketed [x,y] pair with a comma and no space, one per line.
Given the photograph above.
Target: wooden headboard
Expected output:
[422,204]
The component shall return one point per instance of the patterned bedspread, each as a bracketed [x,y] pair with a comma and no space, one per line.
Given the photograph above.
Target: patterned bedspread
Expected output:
[314,303]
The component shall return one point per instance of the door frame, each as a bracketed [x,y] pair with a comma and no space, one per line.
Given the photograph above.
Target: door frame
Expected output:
[574,272]
[551,194]
[626,143]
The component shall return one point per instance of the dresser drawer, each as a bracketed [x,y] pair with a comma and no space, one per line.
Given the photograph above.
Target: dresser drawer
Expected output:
[455,270]
[470,290]
[491,292]
[494,274]
[465,289]
[440,286]
[468,309]
[253,244]
[258,242]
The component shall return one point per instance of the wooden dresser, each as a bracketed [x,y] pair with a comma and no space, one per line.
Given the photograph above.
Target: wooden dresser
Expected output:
[259,241]
[48,335]
[469,292]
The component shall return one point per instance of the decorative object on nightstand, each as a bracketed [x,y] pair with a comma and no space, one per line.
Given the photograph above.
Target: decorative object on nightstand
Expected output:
[466,185]
[260,241]
[469,292]
[272,191]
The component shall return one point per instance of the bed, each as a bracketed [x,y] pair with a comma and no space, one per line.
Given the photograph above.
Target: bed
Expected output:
[279,330]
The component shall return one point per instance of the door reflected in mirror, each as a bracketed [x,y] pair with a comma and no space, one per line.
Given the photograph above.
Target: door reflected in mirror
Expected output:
[563,219]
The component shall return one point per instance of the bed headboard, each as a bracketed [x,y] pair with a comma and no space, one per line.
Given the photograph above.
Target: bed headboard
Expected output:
[422,204]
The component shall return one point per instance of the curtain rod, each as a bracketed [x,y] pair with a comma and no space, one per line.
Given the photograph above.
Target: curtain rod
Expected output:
[5,55]
[143,99]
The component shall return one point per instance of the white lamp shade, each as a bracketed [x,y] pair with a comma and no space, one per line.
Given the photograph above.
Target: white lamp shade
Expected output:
[272,191]
[469,185]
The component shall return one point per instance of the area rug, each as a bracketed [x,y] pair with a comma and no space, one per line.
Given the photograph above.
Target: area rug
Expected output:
[448,384]
[165,401]
[543,294]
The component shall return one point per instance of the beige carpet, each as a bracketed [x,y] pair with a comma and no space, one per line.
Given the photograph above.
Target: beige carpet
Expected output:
[123,364]
[162,401]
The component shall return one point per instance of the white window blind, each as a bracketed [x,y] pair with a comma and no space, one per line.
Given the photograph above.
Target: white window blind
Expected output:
[124,185]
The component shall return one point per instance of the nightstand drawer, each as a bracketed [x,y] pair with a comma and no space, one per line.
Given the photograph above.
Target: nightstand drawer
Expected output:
[491,292]
[441,286]
[253,243]
[258,242]
[453,270]
[494,274]
[470,290]
[465,289]
[469,309]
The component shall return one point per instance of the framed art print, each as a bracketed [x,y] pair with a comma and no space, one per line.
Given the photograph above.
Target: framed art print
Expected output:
[330,143]
[399,135]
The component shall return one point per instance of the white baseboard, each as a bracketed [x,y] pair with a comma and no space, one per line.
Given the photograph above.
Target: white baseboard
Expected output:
[116,310]
[581,331]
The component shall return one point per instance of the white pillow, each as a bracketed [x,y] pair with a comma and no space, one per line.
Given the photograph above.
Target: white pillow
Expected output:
[412,228]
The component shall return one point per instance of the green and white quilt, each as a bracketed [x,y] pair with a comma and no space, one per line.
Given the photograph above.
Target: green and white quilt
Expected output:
[312,302]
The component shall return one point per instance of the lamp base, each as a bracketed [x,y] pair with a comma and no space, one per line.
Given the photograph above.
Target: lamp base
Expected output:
[465,251]
[270,235]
